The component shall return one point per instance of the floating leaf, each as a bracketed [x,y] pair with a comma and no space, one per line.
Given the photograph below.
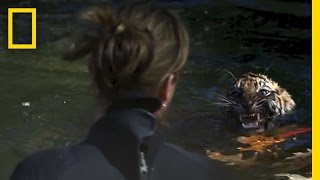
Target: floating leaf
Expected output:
[258,143]
[231,159]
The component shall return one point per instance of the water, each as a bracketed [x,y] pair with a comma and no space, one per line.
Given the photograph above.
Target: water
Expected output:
[46,102]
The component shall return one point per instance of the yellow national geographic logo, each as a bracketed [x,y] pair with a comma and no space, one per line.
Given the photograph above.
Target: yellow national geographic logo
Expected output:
[33,12]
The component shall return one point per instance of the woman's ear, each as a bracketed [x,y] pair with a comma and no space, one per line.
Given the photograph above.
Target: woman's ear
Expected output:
[168,88]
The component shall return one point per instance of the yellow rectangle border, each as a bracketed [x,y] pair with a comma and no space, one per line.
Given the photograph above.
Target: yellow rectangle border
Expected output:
[315,89]
[33,12]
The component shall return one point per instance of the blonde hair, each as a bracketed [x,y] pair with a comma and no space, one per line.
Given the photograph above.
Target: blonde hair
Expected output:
[131,48]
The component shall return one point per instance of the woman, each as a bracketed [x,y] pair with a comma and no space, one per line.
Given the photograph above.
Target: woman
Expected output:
[135,55]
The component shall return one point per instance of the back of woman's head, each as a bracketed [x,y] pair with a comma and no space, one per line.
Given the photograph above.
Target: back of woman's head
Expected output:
[132,48]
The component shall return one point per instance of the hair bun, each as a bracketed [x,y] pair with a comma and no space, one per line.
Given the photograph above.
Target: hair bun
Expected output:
[96,24]
[132,47]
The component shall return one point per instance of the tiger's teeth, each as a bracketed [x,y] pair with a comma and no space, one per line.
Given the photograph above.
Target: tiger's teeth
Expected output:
[250,125]
[248,115]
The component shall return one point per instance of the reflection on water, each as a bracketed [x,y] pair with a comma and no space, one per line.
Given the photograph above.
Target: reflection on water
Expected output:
[60,102]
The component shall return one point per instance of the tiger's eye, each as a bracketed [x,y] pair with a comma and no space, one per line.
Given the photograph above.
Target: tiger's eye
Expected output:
[265,92]
[235,94]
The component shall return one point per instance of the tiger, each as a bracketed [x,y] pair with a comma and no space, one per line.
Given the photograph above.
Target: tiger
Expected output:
[254,102]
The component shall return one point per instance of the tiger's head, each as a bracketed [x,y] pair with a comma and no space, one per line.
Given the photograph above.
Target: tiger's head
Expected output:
[254,103]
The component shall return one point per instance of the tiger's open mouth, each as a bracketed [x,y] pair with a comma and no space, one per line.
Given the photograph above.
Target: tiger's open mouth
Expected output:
[250,121]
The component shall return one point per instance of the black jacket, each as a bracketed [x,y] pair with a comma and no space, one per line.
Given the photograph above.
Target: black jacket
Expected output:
[122,145]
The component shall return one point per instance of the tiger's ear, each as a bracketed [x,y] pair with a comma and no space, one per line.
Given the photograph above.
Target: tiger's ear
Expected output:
[280,91]
[288,102]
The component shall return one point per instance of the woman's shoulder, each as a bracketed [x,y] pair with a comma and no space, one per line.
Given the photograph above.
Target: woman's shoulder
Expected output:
[62,162]
[64,155]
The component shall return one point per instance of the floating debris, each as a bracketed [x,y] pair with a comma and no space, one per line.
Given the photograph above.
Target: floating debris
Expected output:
[293,176]
[26,104]
[289,164]
[301,154]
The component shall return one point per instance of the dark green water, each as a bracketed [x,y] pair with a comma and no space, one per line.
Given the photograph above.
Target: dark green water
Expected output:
[61,102]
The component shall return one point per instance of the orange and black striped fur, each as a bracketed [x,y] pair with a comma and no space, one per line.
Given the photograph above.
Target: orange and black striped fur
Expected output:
[254,102]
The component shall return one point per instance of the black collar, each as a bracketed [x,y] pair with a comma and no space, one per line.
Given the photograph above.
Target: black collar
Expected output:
[127,128]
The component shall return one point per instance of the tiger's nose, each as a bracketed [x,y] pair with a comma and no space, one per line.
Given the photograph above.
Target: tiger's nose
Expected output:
[247,105]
